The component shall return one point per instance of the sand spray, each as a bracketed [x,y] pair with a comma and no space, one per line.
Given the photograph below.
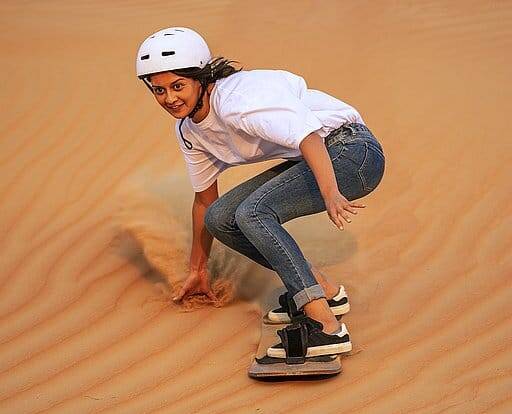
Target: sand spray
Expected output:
[154,215]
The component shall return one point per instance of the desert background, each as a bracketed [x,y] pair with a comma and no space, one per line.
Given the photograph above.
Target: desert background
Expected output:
[96,223]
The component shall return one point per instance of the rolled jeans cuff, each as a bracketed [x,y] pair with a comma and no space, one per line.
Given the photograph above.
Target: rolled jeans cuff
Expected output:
[308,294]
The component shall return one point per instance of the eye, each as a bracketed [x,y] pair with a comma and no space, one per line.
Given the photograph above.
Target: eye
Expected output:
[158,90]
[178,86]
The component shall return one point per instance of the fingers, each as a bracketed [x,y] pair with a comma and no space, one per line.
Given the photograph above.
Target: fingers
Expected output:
[339,216]
[184,291]
[336,219]
[345,216]
[357,205]
[341,213]
[351,207]
[180,295]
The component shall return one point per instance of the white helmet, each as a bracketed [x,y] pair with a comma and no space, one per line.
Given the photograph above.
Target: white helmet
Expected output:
[172,48]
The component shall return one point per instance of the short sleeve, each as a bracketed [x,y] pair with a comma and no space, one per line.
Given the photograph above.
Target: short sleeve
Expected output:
[271,113]
[203,168]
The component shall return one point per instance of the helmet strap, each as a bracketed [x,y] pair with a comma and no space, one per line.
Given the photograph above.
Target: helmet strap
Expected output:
[199,103]
[147,84]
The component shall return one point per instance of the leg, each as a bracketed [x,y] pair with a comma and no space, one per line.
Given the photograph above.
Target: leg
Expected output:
[220,216]
[330,288]
[220,222]
[295,193]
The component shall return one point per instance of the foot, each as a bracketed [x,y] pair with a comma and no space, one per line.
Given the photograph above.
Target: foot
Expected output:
[331,292]
[318,342]
[331,329]
[338,303]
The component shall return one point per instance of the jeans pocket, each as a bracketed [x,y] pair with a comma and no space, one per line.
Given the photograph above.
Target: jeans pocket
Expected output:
[372,166]
[353,150]
[335,150]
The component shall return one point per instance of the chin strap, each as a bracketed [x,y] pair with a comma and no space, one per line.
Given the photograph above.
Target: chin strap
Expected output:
[199,103]
[147,84]
[187,143]
[198,106]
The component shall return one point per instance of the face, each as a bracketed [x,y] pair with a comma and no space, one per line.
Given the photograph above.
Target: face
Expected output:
[176,94]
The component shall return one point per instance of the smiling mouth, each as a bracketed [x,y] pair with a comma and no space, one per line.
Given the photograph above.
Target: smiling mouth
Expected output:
[176,107]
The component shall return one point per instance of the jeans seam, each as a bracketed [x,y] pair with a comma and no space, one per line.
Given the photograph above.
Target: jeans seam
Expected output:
[359,171]
[349,159]
[378,149]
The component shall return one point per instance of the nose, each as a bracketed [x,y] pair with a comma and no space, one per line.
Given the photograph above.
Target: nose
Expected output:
[170,99]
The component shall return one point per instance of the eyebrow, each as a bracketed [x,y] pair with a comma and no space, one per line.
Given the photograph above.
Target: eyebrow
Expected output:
[172,83]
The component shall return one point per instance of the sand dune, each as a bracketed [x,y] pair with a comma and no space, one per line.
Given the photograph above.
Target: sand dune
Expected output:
[95,212]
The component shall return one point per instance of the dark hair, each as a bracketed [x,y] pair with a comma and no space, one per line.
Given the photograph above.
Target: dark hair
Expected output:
[217,68]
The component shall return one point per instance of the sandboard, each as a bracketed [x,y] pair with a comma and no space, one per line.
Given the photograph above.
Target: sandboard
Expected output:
[265,367]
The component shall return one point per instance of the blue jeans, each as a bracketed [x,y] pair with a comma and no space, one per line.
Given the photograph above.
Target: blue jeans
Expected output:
[249,217]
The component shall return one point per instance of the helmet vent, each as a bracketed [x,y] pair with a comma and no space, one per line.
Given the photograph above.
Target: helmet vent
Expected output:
[168,34]
[178,30]
[169,53]
[145,57]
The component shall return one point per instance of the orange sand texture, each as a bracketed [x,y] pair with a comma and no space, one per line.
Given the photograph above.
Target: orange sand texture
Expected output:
[96,221]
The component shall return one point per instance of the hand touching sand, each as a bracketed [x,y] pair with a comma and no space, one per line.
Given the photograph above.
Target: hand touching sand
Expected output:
[196,283]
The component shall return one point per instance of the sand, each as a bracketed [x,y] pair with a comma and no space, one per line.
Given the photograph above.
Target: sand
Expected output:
[95,212]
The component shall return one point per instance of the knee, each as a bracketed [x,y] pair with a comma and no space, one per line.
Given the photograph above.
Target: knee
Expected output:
[217,219]
[242,215]
[247,212]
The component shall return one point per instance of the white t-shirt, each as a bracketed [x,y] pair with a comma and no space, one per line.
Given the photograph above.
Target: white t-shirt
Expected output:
[255,116]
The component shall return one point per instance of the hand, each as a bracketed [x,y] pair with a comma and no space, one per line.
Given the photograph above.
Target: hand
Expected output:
[196,283]
[338,208]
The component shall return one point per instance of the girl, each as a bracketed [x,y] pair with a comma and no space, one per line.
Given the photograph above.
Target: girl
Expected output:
[231,117]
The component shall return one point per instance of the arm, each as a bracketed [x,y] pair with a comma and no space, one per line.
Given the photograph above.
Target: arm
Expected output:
[197,281]
[316,155]
[201,239]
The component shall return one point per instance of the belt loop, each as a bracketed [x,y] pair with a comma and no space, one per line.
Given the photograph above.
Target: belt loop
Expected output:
[349,127]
